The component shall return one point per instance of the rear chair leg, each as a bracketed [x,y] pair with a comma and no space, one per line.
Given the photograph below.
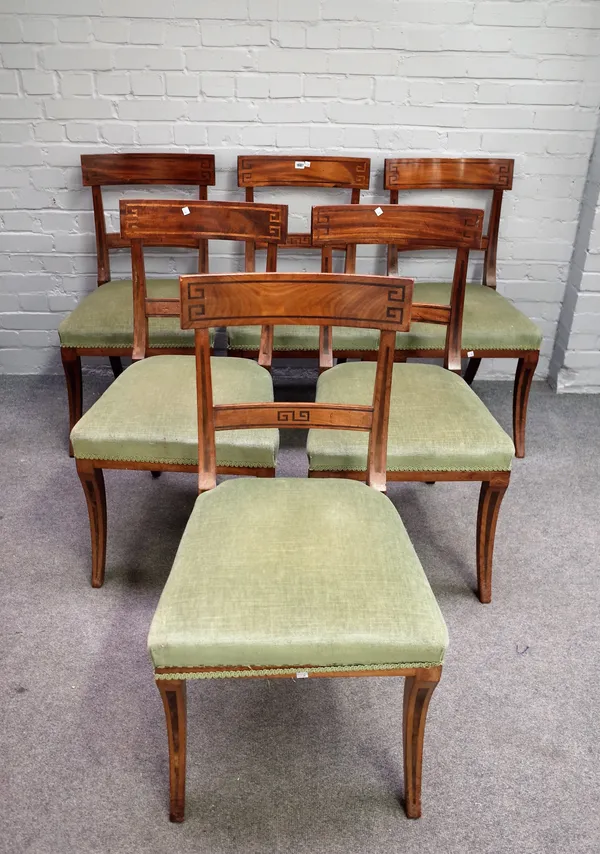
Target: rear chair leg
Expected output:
[471,370]
[92,480]
[417,694]
[72,367]
[490,498]
[523,378]
[116,365]
[173,693]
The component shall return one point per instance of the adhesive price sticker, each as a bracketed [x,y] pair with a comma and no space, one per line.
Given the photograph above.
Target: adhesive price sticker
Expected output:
[302,674]
[185,211]
[378,211]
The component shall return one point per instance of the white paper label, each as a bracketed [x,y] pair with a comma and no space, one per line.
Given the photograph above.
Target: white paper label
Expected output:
[307,164]
[302,674]
[300,164]
[470,354]
[185,211]
[378,211]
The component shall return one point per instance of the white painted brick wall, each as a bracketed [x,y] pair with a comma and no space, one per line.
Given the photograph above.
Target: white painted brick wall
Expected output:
[382,78]
[575,364]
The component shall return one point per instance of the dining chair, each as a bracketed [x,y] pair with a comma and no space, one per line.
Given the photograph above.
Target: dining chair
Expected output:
[102,323]
[439,429]
[492,325]
[304,172]
[293,577]
[146,419]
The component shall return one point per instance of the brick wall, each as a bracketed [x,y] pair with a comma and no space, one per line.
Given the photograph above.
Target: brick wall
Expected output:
[384,77]
[575,364]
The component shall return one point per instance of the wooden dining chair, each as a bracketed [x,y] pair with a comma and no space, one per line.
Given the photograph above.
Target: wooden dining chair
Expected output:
[304,172]
[146,419]
[102,324]
[292,577]
[439,430]
[492,326]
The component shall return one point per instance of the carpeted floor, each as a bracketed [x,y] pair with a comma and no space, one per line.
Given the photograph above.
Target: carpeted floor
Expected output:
[512,746]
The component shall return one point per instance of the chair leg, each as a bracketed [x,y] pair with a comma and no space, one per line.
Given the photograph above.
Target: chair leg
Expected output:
[173,693]
[471,370]
[490,499]
[92,480]
[72,367]
[417,694]
[116,365]
[523,378]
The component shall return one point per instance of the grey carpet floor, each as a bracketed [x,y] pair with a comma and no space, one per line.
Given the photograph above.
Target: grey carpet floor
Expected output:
[512,743]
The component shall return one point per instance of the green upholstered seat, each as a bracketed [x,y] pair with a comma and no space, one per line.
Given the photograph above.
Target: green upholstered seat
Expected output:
[104,319]
[490,322]
[437,423]
[148,414]
[295,573]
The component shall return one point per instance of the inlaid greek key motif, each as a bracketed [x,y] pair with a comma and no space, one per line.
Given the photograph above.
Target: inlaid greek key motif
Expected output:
[396,295]
[294,415]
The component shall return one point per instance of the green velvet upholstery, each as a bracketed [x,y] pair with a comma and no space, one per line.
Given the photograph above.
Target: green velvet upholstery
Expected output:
[437,423]
[296,573]
[490,322]
[148,414]
[104,319]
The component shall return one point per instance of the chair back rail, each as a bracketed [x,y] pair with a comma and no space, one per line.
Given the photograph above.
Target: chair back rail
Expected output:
[381,302]
[456,173]
[266,170]
[143,220]
[98,170]
[409,227]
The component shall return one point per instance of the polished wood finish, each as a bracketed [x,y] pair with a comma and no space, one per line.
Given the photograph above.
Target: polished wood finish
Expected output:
[144,220]
[523,378]
[490,498]
[71,361]
[98,170]
[448,173]
[419,686]
[165,218]
[102,170]
[470,173]
[140,222]
[418,690]
[173,694]
[234,299]
[383,302]
[147,168]
[275,170]
[380,302]
[92,481]
[413,228]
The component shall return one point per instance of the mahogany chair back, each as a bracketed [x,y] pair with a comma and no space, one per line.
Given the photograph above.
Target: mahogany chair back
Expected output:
[351,173]
[410,228]
[455,173]
[143,222]
[102,170]
[379,302]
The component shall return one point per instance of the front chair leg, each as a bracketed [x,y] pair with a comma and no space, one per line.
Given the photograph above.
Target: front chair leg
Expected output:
[417,694]
[72,367]
[92,480]
[490,498]
[116,365]
[173,693]
[471,370]
[523,378]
